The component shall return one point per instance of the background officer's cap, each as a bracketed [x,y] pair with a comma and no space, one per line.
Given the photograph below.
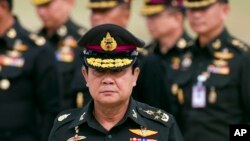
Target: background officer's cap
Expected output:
[40,2]
[157,6]
[106,4]
[197,4]
[109,47]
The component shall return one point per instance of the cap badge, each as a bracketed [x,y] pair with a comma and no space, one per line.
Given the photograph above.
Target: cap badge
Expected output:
[108,43]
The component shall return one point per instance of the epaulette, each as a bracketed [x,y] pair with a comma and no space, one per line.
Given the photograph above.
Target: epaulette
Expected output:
[143,51]
[154,114]
[81,31]
[65,117]
[38,40]
[239,44]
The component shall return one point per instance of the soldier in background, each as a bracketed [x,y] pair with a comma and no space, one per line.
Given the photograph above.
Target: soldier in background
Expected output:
[216,86]
[169,50]
[109,11]
[28,81]
[63,34]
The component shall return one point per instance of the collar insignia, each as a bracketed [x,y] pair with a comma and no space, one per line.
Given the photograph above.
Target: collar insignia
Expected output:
[108,43]
[62,117]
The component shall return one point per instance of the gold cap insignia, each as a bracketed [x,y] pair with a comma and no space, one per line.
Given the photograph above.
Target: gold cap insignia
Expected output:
[108,43]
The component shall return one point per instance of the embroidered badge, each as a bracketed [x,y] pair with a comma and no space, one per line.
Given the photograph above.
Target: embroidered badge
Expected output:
[143,132]
[108,43]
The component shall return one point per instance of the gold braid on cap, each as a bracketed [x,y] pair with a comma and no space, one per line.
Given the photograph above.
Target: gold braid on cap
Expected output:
[108,63]
[40,2]
[149,10]
[198,3]
[103,4]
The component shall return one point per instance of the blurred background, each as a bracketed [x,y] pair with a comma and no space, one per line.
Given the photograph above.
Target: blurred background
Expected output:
[238,22]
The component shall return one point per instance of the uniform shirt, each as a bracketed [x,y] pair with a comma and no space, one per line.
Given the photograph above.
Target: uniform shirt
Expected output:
[215,89]
[141,122]
[64,44]
[158,73]
[28,83]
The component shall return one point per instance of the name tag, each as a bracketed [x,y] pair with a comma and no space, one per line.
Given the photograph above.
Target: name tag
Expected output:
[198,96]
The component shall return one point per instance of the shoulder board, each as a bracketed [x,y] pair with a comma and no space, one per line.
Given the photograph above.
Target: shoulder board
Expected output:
[38,40]
[239,44]
[154,114]
[65,117]
[81,31]
[143,51]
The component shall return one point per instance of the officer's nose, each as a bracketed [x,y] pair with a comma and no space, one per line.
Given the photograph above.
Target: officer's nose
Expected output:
[108,79]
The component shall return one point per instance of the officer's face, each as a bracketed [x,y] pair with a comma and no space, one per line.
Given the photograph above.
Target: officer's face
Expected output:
[55,13]
[163,23]
[111,87]
[205,20]
[118,15]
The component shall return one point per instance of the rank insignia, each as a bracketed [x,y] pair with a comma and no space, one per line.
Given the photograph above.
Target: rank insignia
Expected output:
[143,132]
[63,117]
[108,43]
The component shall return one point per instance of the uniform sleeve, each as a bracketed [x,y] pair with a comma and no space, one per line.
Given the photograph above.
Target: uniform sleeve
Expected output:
[175,133]
[47,90]
[245,86]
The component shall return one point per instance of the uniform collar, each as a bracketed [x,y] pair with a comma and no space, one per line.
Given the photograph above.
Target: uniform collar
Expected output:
[61,32]
[181,44]
[216,43]
[86,115]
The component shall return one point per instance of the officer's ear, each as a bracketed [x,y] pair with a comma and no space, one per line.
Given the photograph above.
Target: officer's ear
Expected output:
[85,74]
[225,10]
[136,73]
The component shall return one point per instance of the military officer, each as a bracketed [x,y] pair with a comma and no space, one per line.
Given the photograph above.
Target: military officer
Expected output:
[28,81]
[215,89]
[169,49]
[63,34]
[111,72]
[109,11]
